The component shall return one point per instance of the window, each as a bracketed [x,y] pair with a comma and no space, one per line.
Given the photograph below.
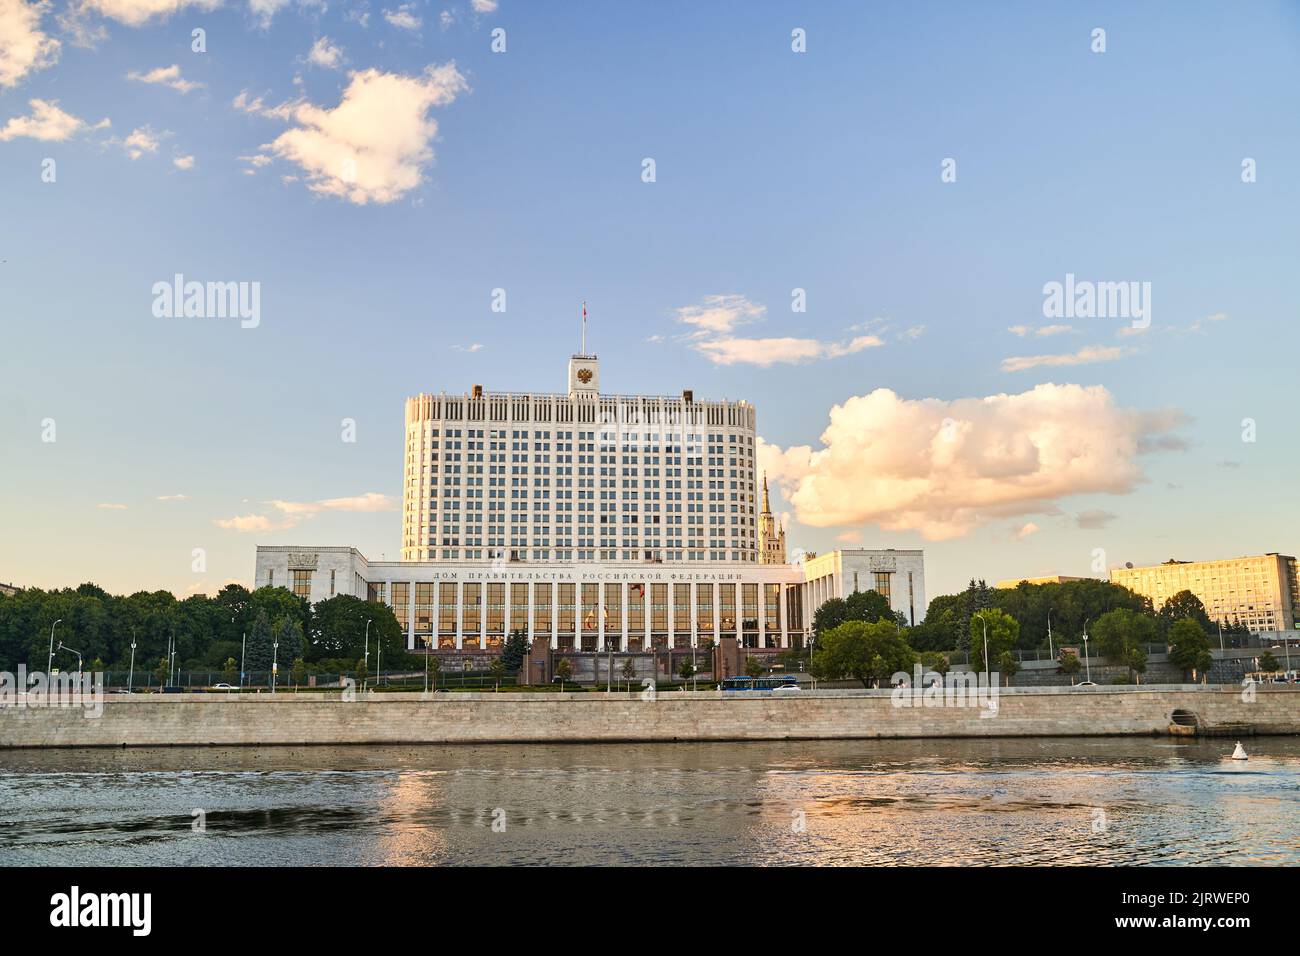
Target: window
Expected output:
[302,583]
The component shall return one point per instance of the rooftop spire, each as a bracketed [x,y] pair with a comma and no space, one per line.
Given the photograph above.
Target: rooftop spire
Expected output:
[584,327]
[767,506]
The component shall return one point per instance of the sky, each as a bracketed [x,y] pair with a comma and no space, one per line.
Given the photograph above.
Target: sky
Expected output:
[849,214]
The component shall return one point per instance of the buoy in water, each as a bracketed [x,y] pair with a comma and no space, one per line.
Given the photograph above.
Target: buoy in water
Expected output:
[1240,752]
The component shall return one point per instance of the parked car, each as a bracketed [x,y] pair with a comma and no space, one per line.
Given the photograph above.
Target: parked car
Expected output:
[1085,683]
[222,687]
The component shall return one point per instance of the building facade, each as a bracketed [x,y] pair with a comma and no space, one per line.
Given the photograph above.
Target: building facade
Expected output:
[579,476]
[1260,591]
[592,522]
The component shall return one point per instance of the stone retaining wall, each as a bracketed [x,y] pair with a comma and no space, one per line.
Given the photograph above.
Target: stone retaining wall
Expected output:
[204,719]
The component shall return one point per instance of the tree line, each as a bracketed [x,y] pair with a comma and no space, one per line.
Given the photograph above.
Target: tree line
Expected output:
[207,633]
[861,638]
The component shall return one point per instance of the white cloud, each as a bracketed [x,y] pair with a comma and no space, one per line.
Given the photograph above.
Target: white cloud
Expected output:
[721,313]
[1025,530]
[264,11]
[142,140]
[373,146]
[484,6]
[1087,355]
[370,501]
[24,46]
[173,498]
[166,76]
[1041,331]
[475,347]
[767,352]
[247,523]
[325,54]
[183,162]
[403,18]
[713,319]
[136,13]
[47,123]
[111,507]
[257,106]
[943,468]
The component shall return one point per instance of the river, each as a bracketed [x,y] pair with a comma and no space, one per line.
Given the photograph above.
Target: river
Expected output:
[1091,801]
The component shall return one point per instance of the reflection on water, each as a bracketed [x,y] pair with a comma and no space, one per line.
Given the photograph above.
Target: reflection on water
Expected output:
[938,802]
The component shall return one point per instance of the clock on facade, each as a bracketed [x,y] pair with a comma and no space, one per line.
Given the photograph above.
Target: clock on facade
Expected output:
[584,375]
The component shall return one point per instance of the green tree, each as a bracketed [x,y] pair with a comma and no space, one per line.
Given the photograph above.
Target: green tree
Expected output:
[1268,664]
[497,669]
[1069,662]
[686,670]
[866,606]
[934,661]
[434,665]
[230,671]
[629,669]
[754,666]
[862,651]
[1189,647]
[260,651]
[516,648]
[299,671]
[563,670]
[1008,666]
[160,672]
[1122,636]
[338,629]
[1003,632]
[1181,606]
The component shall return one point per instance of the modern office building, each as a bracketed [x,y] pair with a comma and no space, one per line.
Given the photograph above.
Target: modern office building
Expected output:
[592,521]
[1045,579]
[1259,591]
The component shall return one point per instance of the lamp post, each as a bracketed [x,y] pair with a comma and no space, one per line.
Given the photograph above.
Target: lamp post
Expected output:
[1086,661]
[1051,653]
[367,654]
[275,663]
[64,647]
[49,663]
[243,653]
[130,679]
[426,665]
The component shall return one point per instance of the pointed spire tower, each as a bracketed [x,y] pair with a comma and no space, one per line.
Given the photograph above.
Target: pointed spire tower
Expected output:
[771,541]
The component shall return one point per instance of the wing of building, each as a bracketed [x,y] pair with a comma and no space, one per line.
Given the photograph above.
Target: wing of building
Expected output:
[1259,591]
[593,520]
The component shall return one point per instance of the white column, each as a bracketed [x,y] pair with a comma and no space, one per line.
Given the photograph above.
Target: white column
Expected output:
[623,617]
[460,615]
[555,615]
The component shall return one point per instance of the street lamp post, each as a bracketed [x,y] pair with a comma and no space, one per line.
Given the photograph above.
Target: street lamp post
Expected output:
[1050,651]
[49,663]
[426,665]
[1086,661]
[243,653]
[366,658]
[275,663]
[64,647]
[130,679]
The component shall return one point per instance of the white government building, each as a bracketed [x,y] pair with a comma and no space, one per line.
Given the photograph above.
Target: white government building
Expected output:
[592,520]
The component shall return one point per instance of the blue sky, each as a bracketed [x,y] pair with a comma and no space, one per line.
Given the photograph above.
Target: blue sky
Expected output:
[775,170]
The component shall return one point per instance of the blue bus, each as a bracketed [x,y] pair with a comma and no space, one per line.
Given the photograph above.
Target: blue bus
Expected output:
[762,685]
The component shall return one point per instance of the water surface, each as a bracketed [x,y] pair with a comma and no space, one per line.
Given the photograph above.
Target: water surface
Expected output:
[1098,801]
